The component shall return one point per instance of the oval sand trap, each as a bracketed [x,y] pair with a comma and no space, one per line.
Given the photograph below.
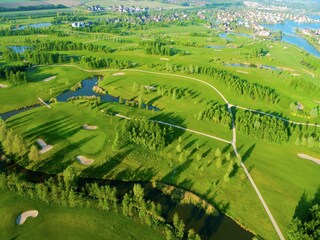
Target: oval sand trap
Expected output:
[307,157]
[118,74]
[3,86]
[23,216]
[84,161]
[89,127]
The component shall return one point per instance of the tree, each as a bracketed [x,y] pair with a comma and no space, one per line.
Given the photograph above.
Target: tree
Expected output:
[70,176]
[218,163]
[218,153]
[307,229]
[115,144]
[18,146]
[34,153]
[178,148]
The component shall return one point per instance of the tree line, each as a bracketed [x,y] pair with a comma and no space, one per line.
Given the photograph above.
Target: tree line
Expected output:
[272,129]
[237,85]
[58,45]
[96,63]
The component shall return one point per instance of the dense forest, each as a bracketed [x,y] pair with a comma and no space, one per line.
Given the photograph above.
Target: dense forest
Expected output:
[146,133]
[218,113]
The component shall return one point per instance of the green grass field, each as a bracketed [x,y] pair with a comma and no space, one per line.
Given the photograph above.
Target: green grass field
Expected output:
[56,222]
[280,175]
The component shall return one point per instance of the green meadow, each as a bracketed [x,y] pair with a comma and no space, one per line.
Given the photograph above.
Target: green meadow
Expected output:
[281,176]
[57,222]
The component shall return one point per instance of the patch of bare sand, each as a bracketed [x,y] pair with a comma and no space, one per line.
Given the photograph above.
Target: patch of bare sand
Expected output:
[118,74]
[49,79]
[44,147]
[23,216]
[84,161]
[89,127]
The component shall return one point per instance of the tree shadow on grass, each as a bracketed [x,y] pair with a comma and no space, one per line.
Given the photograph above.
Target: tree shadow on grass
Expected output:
[173,176]
[54,131]
[102,170]
[141,174]
[304,204]
[58,162]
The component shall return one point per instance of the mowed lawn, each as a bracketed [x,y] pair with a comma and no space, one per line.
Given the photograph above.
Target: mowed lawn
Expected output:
[281,176]
[56,222]
[27,94]
[61,126]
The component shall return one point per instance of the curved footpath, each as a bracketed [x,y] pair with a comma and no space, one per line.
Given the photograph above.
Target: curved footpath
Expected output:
[233,142]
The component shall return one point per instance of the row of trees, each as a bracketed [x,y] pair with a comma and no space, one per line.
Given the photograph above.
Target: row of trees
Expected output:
[96,63]
[306,86]
[59,45]
[276,130]
[146,133]
[46,57]
[239,86]
[160,46]
[262,126]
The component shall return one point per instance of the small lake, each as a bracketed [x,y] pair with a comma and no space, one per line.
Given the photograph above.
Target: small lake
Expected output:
[19,49]
[226,35]
[289,30]
[86,91]
[35,25]
[254,66]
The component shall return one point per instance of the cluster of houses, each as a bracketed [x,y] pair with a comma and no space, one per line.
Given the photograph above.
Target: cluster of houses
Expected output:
[96,8]
[131,9]
[81,24]
[314,33]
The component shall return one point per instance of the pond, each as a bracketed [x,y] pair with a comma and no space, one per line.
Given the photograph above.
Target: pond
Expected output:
[290,36]
[209,227]
[255,66]
[225,35]
[19,49]
[84,91]
[35,25]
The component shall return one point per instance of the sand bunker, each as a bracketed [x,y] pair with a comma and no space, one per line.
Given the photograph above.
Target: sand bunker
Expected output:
[23,216]
[118,74]
[89,127]
[164,59]
[49,79]
[307,157]
[239,71]
[44,146]
[84,161]
[3,86]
